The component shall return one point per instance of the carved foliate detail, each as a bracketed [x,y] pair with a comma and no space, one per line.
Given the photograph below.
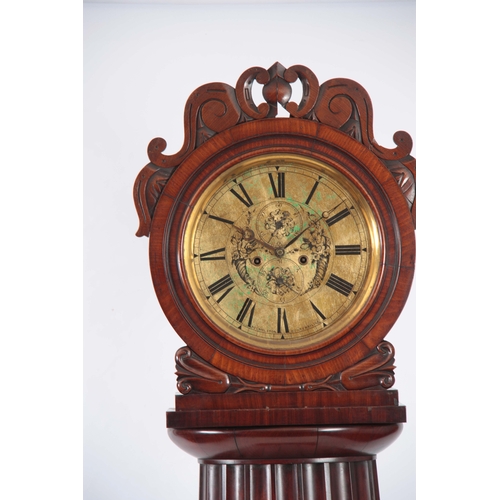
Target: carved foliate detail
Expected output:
[148,187]
[194,375]
[215,107]
[404,175]
[375,370]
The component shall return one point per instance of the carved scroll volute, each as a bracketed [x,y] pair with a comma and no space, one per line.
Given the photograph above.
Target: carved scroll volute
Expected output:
[196,375]
[310,90]
[342,99]
[375,370]
[244,93]
[212,107]
[209,110]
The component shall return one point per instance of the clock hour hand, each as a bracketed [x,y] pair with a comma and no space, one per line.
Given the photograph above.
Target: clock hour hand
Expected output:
[249,235]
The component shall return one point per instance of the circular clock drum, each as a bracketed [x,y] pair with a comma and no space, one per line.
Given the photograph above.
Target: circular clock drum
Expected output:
[276,252]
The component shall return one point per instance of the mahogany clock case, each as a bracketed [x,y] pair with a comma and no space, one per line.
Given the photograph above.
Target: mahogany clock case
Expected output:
[311,140]
[239,391]
[332,125]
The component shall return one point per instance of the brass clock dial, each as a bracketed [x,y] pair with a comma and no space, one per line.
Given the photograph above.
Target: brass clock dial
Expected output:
[282,252]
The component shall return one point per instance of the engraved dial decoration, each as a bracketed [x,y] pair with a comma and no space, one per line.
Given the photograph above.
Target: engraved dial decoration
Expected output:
[282,252]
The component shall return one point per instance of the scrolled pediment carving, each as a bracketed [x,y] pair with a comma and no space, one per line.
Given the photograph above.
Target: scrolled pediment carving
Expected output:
[215,107]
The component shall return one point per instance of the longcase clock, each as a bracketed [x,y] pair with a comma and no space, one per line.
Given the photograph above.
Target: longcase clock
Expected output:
[282,252]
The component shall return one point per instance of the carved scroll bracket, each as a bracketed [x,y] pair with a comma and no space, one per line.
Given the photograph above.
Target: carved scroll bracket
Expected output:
[195,375]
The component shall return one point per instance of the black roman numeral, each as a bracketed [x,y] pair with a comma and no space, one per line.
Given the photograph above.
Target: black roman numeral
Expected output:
[313,190]
[339,285]
[247,201]
[338,217]
[219,285]
[279,190]
[348,249]
[211,255]
[248,305]
[282,322]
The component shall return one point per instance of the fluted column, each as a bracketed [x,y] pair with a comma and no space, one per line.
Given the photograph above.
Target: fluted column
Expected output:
[347,478]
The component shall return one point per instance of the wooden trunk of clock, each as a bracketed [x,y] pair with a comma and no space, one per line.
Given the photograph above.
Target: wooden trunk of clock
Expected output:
[282,251]
[287,463]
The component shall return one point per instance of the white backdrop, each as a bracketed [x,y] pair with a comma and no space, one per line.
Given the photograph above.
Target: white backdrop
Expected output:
[141,62]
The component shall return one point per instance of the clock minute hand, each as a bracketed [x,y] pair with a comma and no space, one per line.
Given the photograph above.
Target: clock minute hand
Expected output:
[296,237]
[324,215]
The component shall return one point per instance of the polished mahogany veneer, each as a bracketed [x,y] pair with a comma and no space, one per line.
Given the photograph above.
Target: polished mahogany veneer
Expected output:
[285,442]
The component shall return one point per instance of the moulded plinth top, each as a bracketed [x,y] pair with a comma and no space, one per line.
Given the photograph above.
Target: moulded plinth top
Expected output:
[285,443]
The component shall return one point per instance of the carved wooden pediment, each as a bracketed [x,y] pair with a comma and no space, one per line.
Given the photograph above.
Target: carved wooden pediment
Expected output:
[212,108]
